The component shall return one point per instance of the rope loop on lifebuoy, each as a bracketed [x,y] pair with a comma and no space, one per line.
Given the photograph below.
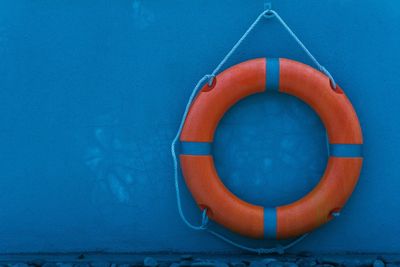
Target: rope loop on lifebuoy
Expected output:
[210,80]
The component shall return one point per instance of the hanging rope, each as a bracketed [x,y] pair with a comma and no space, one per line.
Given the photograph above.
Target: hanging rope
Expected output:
[268,13]
[174,157]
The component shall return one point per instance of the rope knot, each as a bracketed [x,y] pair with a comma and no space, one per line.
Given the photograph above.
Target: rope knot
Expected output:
[211,81]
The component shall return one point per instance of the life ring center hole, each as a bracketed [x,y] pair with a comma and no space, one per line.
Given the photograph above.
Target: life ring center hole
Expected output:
[270,149]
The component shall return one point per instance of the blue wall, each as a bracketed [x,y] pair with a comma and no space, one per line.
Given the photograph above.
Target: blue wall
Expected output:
[91,93]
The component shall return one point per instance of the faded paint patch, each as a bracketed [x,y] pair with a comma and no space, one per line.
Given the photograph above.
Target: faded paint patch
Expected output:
[115,160]
[128,161]
[142,16]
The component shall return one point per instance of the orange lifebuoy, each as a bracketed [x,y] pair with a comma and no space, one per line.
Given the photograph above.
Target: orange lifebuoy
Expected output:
[339,178]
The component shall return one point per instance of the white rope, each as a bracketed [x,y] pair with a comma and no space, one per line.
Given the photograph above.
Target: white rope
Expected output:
[269,13]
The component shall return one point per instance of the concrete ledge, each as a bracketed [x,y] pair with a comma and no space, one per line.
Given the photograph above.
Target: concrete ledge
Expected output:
[196,260]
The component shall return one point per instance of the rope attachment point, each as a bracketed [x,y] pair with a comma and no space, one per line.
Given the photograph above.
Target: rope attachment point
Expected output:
[204,219]
[211,80]
[268,10]
[331,80]
[270,13]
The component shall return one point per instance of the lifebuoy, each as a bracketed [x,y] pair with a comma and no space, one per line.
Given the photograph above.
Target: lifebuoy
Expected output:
[290,77]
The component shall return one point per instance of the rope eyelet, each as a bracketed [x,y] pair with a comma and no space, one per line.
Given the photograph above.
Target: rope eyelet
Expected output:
[269,14]
[211,81]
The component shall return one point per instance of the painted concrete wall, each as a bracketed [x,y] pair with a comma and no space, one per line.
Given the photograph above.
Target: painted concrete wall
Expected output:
[91,93]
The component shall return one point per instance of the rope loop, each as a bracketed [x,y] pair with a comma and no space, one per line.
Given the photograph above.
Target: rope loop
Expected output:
[209,79]
[270,13]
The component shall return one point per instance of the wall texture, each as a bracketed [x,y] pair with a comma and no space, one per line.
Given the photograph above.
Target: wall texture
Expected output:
[91,93]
